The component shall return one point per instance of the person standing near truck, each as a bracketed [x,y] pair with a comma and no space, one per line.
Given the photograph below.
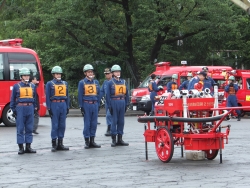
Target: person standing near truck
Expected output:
[22,103]
[232,89]
[89,101]
[117,98]
[184,84]
[172,85]
[108,77]
[57,102]
[33,81]
[153,89]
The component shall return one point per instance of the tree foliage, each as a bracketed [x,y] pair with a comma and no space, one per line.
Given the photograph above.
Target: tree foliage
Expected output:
[133,34]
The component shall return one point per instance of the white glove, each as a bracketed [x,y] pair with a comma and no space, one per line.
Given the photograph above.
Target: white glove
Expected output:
[160,87]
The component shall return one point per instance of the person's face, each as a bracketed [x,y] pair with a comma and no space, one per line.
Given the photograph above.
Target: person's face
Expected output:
[34,81]
[108,76]
[117,74]
[201,77]
[89,74]
[26,78]
[189,77]
[58,76]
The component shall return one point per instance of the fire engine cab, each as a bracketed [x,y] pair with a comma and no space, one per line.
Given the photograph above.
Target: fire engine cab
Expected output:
[140,96]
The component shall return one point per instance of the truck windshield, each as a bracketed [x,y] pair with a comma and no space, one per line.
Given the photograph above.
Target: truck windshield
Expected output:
[144,84]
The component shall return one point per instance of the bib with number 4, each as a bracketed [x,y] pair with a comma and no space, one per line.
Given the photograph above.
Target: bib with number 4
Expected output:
[60,90]
[90,89]
[120,90]
[26,92]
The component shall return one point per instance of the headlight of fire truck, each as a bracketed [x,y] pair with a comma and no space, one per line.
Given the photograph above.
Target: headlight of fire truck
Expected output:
[145,98]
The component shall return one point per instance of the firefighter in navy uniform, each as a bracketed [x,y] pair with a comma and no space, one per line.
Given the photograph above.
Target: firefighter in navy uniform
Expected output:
[232,89]
[184,84]
[22,103]
[108,77]
[117,98]
[57,102]
[153,89]
[89,101]
[172,85]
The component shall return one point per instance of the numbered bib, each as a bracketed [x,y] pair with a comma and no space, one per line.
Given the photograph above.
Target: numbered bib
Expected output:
[60,90]
[174,86]
[150,86]
[231,90]
[90,89]
[120,90]
[26,92]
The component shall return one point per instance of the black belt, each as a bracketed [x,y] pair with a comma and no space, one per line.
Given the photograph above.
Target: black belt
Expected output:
[58,100]
[90,102]
[25,104]
[120,98]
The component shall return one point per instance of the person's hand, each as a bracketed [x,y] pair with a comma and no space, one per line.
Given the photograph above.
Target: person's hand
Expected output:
[67,112]
[82,111]
[160,87]
[14,114]
[50,113]
[126,107]
[111,111]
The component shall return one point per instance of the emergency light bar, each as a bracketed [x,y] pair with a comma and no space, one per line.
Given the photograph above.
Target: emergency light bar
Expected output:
[11,42]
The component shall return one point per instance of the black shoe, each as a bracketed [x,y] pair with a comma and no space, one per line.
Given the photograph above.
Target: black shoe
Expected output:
[86,143]
[113,144]
[28,149]
[108,133]
[238,118]
[21,149]
[54,146]
[120,142]
[60,145]
[92,143]
[35,132]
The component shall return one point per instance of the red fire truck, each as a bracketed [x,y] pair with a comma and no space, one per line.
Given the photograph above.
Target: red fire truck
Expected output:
[13,57]
[140,96]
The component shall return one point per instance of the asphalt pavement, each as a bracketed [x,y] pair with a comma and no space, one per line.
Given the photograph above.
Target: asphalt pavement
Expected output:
[119,166]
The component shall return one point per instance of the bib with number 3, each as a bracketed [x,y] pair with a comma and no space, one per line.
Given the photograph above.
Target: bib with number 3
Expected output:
[60,90]
[120,90]
[90,89]
[26,92]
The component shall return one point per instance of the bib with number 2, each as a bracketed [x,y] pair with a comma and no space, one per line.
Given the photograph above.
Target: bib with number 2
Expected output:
[26,92]
[60,90]
[120,90]
[90,89]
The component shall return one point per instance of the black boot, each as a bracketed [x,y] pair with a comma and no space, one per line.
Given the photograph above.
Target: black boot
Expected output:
[86,143]
[108,133]
[92,143]
[238,118]
[120,142]
[28,149]
[60,145]
[113,144]
[21,150]
[54,146]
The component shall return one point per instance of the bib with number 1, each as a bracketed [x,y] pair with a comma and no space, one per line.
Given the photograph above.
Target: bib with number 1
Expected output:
[120,90]
[60,90]
[26,92]
[90,89]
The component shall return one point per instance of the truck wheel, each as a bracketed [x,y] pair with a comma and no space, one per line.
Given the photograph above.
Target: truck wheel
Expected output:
[1,120]
[7,117]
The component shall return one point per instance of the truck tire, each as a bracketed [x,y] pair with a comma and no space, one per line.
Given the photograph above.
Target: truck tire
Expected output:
[1,120]
[7,117]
